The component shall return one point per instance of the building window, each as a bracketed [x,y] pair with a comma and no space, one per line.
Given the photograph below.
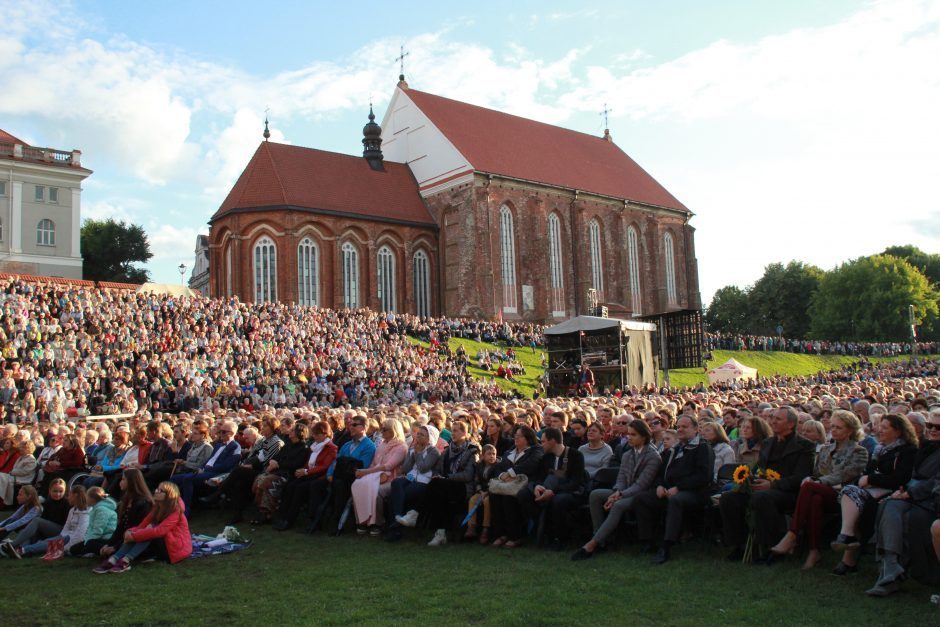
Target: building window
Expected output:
[633,260]
[308,272]
[45,233]
[228,269]
[554,266]
[1,230]
[507,240]
[670,268]
[3,188]
[350,276]
[40,193]
[54,194]
[422,278]
[386,278]
[597,266]
[265,271]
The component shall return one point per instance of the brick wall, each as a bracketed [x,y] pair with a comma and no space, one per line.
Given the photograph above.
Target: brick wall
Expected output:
[287,228]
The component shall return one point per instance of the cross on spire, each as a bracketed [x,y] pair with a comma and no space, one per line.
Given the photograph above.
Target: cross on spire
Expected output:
[401,61]
[605,113]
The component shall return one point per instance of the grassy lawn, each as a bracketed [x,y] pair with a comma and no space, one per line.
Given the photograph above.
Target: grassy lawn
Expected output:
[768,363]
[293,578]
[523,383]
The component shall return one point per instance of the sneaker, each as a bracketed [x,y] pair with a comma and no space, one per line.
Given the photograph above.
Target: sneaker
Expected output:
[15,552]
[121,566]
[440,538]
[4,546]
[361,530]
[408,520]
[581,555]
[103,567]
[375,531]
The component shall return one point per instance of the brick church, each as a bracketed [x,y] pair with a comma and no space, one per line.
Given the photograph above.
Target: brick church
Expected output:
[455,210]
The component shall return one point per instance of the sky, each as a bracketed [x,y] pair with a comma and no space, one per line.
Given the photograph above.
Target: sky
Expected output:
[797,130]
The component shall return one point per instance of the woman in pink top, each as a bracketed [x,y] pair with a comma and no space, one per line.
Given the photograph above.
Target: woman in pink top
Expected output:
[372,484]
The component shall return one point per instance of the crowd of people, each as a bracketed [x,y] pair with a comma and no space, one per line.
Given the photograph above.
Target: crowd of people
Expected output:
[741,342]
[76,350]
[851,464]
[334,422]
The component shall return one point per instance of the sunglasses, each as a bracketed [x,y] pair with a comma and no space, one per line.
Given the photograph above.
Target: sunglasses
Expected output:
[621,424]
[933,426]
[656,423]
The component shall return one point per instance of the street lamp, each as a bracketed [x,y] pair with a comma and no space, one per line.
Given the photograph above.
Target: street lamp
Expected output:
[182,269]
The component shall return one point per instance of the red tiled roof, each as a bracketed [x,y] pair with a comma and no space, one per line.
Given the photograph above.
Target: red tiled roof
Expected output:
[499,143]
[6,138]
[281,175]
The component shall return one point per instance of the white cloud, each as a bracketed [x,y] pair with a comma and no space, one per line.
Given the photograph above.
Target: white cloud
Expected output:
[172,244]
[816,144]
[102,210]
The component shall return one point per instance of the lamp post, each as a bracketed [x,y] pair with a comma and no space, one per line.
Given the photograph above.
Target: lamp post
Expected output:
[182,270]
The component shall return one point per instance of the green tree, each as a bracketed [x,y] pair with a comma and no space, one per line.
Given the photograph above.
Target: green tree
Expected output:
[728,311]
[928,264]
[782,297]
[112,248]
[867,299]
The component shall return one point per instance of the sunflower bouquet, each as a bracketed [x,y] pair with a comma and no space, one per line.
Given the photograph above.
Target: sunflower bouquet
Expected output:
[743,478]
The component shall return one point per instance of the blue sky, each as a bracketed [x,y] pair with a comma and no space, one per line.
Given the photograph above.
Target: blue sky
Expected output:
[798,130]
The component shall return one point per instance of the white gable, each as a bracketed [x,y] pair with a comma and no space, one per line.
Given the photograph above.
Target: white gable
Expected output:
[408,136]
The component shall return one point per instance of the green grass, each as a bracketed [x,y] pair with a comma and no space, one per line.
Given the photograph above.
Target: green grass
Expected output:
[523,383]
[293,578]
[768,363]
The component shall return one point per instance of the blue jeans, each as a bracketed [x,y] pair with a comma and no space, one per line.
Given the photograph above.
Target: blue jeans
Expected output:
[404,492]
[188,484]
[40,547]
[131,550]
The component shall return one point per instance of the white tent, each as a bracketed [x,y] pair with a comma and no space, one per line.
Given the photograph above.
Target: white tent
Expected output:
[594,323]
[731,370]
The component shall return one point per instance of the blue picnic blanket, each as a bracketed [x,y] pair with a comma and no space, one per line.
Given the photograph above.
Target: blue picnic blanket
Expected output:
[201,548]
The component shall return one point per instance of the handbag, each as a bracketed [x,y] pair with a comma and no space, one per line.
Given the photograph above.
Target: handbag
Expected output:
[508,488]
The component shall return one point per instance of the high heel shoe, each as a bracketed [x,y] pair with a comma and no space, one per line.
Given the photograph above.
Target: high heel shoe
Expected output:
[811,561]
[843,569]
[784,548]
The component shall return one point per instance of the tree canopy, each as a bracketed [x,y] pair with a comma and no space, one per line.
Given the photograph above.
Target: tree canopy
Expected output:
[110,250]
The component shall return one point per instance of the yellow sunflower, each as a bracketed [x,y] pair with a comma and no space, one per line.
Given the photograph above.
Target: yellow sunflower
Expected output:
[772,475]
[741,474]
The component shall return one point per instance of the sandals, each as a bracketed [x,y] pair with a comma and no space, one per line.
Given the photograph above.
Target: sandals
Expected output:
[500,541]
[513,544]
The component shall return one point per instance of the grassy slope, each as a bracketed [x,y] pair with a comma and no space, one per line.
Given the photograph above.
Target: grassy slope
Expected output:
[524,383]
[292,578]
[767,363]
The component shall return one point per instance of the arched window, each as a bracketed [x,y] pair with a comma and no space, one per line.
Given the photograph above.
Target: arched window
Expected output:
[670,268]
[229,252]
[45,232]
[554,266]
[385,265]
[633,261]
[265,271]
[308,272]
[350,276]
[507,244]
[597,266]
[422,279]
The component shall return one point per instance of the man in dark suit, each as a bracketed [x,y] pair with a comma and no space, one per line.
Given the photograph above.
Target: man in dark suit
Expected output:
[789,455]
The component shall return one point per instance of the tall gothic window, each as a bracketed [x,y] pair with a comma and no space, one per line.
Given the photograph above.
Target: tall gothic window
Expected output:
[350,276]
[669,251]
[308,272]
[386,278]
[554,265]
[422,280]
[229,251]
[597,266]
[633,261]
[507,241]
[265,259]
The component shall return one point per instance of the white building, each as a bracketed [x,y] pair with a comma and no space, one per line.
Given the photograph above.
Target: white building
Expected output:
[199,281]
[40,209]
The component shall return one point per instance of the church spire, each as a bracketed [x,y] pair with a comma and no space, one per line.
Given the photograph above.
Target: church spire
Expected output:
[372,142]
[266,134]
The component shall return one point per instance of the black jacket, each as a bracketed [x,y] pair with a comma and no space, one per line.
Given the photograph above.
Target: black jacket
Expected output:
[893,468]
[692,470]
[291,457]
[571,477]
[528,464]
[793,458]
